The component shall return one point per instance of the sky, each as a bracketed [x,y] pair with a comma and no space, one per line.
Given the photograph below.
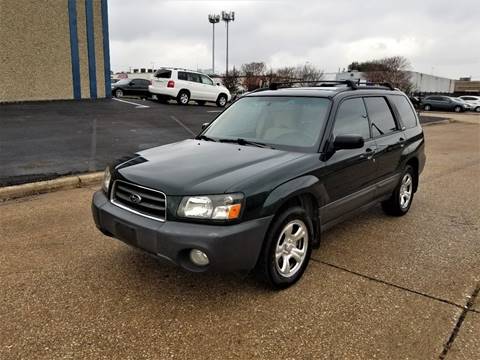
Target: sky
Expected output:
[440,37]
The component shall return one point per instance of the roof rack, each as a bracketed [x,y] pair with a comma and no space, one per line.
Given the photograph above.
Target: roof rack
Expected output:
[326,83]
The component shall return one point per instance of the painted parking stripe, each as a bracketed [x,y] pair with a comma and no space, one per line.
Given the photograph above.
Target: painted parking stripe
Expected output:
[183,125]
[138,106]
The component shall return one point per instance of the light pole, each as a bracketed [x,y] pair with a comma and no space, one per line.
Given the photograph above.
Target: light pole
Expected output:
[213,19]
[227,17]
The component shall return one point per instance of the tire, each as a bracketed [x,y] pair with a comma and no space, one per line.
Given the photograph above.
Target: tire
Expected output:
[477,109]
[427,107]
[201,102]
[402,197]
[183,97]
[222,100]
[270,263]
[118,93]
[457,109]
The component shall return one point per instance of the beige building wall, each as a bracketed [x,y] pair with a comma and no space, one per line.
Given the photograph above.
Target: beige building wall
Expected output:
[35,52]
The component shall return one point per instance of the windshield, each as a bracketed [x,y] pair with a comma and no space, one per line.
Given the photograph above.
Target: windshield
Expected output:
[274,120]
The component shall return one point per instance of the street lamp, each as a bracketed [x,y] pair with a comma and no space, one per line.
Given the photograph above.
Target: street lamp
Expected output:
[227,17]
[213,19]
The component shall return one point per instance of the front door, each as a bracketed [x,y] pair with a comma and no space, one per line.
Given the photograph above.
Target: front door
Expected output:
[349,173]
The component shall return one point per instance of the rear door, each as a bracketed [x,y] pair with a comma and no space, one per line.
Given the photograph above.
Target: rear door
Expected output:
[350,176]
[195,86]
[390,141]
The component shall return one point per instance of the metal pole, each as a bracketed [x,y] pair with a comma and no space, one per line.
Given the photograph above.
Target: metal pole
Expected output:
[226,71]
[213,49]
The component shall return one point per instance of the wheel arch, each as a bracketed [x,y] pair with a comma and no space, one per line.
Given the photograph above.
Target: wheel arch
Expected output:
[414,163]
[305,192]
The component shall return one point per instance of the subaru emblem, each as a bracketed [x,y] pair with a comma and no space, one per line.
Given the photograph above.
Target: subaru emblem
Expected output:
[135,198]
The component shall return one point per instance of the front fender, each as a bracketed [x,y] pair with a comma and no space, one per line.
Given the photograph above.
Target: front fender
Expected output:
[308,184]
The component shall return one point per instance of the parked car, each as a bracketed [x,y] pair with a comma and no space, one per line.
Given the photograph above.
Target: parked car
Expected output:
[445,103]
[185,85]
[255,189]
[474,101]
[135,87]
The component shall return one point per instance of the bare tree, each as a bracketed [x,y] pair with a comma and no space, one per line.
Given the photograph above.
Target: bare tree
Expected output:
[393,70]
[308,72]
[287,73]
[254,75]
[232,80]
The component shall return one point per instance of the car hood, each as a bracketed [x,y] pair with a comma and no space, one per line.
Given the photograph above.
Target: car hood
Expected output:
[194,167]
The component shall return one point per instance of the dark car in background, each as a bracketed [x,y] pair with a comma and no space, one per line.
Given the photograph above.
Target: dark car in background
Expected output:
[131,87]
[257,187]
[444,103]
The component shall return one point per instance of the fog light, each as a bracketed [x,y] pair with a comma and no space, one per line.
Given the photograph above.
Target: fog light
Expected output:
[198,257]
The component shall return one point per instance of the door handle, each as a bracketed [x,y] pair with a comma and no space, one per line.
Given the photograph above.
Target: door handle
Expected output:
[369,152]
[401,142]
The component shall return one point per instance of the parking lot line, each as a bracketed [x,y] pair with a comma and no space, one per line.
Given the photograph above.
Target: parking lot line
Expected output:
[182,125]
[138,106]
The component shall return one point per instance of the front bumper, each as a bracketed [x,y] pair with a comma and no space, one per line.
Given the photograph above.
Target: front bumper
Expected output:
[229,247]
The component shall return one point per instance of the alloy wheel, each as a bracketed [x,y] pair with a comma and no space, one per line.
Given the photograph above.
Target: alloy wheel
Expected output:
[406,190]
[291,248]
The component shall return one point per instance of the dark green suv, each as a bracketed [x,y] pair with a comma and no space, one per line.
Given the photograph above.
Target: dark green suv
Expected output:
[257,187]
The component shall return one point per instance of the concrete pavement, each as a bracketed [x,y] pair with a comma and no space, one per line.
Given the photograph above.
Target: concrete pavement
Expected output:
[378,287]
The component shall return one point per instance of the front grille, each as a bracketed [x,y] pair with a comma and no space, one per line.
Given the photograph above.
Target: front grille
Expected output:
[139,200]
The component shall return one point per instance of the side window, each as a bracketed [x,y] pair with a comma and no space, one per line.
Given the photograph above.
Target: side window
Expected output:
[351,119]
[182,75]
[194,77]
[405,110]
[381,118]
[207,80]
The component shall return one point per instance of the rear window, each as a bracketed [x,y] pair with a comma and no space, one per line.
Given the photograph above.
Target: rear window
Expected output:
[405,110]
[163,74]
[381,118]
[182,75]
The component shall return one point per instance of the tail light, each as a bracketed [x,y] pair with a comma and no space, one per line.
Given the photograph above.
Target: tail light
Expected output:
[171,84]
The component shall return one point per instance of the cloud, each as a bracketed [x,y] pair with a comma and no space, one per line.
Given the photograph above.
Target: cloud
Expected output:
[432,34]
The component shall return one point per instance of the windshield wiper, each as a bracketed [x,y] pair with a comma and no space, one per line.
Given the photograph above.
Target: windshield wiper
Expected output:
[241,141]
[205,137]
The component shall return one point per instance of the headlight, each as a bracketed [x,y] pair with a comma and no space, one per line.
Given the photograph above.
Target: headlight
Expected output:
[214,207]
[106,179]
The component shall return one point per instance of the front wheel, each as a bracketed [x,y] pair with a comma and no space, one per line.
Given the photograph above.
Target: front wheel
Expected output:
[401,200]
[118,93]
[286,249]
[222,100]
[427,107]
[477,109]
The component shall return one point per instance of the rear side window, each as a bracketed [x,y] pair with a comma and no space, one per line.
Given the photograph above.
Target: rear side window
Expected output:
[194,77]
[182,75]
[405,110]
[381,118]
[351,119]
[163,74]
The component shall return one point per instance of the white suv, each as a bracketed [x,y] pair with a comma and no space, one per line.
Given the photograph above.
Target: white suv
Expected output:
[185,85]
[473,101]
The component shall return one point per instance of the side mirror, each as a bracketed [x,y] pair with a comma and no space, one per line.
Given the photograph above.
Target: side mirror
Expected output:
[205,125]
[348,142]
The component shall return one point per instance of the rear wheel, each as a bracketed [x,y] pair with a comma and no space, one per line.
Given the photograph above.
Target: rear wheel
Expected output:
[183,97]
[477,109]
[287,248]
[457,108]
[222,100]
[427,107]
[401,200]
[118,93]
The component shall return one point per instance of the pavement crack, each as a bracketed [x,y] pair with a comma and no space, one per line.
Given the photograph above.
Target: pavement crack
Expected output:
[431,297]
[459,323]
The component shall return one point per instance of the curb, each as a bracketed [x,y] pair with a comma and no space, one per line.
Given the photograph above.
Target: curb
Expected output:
[41,187]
